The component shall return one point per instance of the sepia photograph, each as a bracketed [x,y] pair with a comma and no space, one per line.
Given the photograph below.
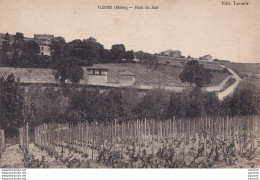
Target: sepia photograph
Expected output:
[129,84]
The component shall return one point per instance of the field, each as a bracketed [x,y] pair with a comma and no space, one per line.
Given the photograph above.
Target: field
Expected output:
[244,69]
[175,143]
[161,75]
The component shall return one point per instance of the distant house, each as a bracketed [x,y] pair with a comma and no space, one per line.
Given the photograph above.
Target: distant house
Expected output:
[44,41]
[207,58]
[43,37]
[171,53]
[136,60]
[45,49]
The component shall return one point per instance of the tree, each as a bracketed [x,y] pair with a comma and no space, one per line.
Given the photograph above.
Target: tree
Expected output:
[245,100]
[18,45]
[195,107]
[129,55]
[178,105]
[11,105]
[154,105]
[106,56]
[19,37]
[129,102]
[85,104]
[6,48]
[211,104]
[194,73]
[65,65]
[118,52]
[32,48]
[86,51]
[147,59]
[44,105]
[68,68]
[58,48]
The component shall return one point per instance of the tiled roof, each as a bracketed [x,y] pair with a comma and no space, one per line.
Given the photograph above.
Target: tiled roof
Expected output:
[29,75]
[126,73]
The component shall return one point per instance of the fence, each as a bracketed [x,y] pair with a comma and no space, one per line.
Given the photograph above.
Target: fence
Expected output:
[2,141]
[149,134]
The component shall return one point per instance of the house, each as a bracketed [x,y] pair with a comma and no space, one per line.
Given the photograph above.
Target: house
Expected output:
[126,78]
[44,41]
[97,75]
[45,49]
[207,58]
[171,53]
[43,37]
[136,60]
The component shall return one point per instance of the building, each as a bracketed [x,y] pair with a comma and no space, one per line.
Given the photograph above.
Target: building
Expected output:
[43,37]
[45,49]
[126,78]
[44,41]
[207,58]
[97,76]
[171,53]
[136,60]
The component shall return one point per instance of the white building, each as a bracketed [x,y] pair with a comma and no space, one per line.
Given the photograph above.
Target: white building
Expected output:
[126,78]
[97,76]
[207,58]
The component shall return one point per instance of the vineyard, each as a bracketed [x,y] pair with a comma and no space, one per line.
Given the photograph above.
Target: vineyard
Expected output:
[174,143]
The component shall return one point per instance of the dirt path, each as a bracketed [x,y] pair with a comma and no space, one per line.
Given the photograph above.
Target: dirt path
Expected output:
[229,91]
[12,157]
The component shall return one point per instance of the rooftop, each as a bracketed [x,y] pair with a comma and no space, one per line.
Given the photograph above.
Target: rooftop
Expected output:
[126,73]
[32,75]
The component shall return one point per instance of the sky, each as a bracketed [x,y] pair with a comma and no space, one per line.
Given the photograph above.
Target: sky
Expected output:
[195,27]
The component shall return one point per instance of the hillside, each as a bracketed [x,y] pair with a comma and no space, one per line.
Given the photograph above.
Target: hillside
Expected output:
[244,69]
[162,75]
[181,62]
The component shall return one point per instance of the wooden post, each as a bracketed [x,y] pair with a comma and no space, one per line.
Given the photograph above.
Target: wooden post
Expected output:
[153,138]
[27,135]
[205,148]
[2,140]
[111,135]
[92,146]
[145,127]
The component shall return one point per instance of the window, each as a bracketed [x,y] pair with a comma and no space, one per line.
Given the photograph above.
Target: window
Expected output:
[42,53]
[42,48]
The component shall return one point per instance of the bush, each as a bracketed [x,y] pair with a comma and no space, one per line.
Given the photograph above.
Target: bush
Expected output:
[11,106]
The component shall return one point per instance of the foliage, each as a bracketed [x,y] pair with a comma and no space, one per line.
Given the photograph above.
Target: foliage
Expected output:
[58,48]
[11,105]
[68,68]
[153,105]
[195,73]
[88,50]
[91,105]
[6,49]
[147,59]
[118,52]
[44,105]
[30,161]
